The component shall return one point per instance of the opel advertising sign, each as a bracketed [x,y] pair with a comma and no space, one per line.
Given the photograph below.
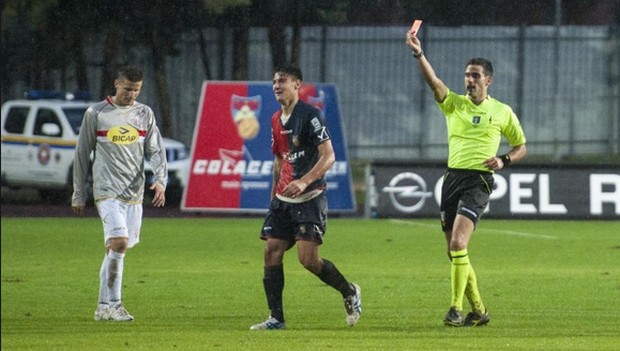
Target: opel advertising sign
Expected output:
[414,190]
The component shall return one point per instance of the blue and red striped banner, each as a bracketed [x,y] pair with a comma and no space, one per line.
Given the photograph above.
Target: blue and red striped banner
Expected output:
[231,159]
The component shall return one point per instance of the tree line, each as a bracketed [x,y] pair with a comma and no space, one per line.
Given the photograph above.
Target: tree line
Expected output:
[42,39]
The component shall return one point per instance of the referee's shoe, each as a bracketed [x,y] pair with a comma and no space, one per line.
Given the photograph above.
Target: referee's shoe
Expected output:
[476,319]
[453,318]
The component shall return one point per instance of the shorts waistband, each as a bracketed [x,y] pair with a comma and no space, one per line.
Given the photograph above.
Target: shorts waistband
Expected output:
[475,171]
[301,198]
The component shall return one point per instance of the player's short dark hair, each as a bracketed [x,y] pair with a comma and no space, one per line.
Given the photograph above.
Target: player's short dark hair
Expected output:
[289,69]
[131,73]
[486,65]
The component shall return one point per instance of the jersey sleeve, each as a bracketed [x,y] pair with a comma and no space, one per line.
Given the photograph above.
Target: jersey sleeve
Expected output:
[275,131]
[449,104]
[513,130]
[155,152]
[81,162]
[318,128]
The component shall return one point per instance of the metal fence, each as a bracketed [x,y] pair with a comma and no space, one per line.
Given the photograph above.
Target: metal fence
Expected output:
[563,83]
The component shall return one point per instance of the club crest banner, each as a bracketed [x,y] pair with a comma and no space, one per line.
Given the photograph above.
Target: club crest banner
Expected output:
[231,159]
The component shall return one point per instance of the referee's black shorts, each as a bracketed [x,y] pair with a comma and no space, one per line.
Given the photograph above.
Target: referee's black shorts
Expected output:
[464,192]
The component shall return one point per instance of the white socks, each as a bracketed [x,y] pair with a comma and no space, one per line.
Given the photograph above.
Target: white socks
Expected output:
[111,278]
[104,296]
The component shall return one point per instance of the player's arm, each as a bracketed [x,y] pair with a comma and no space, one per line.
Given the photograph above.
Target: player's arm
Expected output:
[440,90]
[155,155]
[277,167]
[81,161]
[326,160]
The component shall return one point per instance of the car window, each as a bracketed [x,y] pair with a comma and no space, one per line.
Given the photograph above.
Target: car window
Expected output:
[75,115]
[45,115]
[16,120]
[176,153]
[171,154]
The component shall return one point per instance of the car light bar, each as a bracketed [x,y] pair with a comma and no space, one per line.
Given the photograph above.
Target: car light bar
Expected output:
[57,95]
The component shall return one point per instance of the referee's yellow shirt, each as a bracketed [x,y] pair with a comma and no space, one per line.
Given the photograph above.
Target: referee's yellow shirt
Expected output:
[475,131]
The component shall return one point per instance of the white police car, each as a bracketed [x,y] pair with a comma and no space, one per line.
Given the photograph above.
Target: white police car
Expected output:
[39,135]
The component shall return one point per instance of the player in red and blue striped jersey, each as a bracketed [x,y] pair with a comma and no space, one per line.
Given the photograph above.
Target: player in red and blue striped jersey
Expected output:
[298,211]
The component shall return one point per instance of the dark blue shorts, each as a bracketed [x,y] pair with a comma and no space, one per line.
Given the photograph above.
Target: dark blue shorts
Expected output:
[464,192]
[296,221]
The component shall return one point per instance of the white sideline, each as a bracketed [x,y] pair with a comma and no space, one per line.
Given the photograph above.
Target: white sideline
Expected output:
[496,231]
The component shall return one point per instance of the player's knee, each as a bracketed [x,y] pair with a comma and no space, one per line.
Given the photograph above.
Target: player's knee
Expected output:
[273,255]
[311,264]
[118,245]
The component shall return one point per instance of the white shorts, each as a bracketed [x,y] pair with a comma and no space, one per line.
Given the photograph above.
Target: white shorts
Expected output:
[120,219]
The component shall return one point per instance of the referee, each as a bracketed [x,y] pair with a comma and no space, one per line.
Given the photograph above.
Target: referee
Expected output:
[476,123]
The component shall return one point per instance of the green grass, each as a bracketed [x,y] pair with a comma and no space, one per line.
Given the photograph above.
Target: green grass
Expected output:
[196,284]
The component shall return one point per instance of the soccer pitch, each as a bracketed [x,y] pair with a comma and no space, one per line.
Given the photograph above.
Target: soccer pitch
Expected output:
[196,284]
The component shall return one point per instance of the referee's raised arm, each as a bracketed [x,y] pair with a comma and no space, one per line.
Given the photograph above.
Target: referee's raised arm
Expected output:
[437,86]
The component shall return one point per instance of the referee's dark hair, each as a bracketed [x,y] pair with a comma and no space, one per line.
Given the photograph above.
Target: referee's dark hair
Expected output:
[487,66]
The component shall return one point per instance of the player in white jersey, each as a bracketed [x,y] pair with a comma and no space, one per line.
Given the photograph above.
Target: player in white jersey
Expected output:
[122,133]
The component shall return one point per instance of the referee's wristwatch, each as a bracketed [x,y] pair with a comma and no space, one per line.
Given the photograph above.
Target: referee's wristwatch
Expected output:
[505,159]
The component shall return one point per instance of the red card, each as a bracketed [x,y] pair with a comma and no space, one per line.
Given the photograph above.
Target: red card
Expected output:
[415,26]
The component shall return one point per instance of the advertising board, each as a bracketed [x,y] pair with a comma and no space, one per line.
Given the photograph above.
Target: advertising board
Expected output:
[231,158]
[522,191]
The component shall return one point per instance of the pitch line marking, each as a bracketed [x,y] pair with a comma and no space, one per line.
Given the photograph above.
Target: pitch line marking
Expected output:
[496,231]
